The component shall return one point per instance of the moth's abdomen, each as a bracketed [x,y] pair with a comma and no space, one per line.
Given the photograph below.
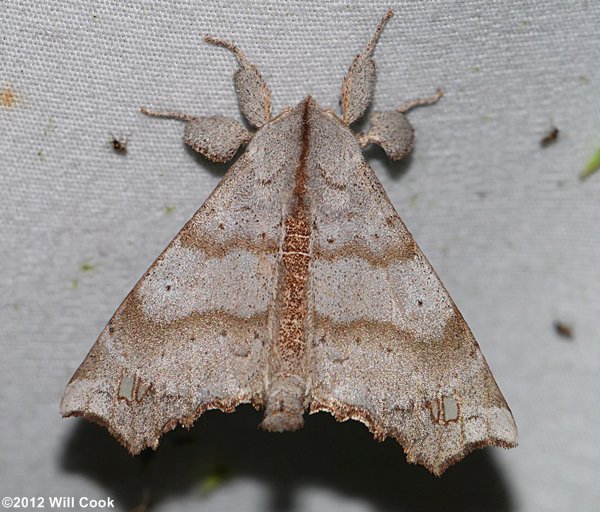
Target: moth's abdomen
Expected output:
[286,403]
[286,391]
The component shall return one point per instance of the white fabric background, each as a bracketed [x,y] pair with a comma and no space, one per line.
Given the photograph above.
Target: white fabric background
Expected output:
[507,224]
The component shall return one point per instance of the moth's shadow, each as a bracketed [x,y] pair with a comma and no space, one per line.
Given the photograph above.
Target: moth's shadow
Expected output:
[216,169]
[340,457]
[395,169]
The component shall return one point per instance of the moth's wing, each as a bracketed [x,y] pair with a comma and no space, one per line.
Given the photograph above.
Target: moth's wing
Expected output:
[193,333]
[390,348]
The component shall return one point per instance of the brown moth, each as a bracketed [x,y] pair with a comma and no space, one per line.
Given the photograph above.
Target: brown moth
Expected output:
[297,288]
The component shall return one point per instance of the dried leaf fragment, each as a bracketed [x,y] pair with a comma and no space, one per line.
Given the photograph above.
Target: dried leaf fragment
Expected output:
[592,166]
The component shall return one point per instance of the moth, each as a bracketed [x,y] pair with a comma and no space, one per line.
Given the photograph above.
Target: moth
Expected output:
[296,288]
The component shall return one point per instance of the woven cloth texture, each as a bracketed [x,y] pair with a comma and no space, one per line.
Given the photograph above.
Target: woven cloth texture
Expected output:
[508,225]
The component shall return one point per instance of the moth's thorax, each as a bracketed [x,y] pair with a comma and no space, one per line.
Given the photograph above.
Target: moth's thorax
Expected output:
[313,107]
[329,149]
